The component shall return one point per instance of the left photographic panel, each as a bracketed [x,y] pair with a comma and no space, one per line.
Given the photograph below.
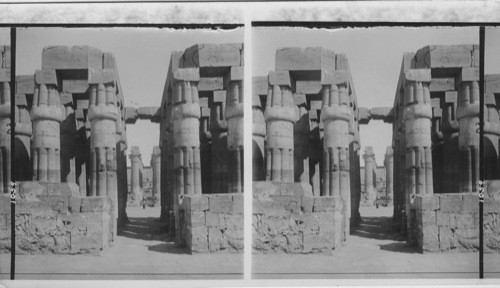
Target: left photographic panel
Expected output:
[129,153]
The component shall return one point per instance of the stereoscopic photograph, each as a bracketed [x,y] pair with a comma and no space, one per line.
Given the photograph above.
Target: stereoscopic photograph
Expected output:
[129,154]
[366,153]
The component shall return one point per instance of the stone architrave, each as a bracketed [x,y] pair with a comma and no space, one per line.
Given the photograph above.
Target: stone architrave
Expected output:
[47,114]
[468,138]
[389,170]
[234,118]
[186,135]
[5,157]
[370,167]
[156,168]
[135,175]
[281,113]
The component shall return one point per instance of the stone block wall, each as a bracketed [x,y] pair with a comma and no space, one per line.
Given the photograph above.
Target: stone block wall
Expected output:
[211,223]
[450,222]
[287,218]
[55,218]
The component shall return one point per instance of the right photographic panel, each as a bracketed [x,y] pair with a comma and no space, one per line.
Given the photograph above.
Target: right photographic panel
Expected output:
[366,152]
[491,209]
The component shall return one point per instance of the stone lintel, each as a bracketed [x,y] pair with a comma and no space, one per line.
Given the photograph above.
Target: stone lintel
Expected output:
[418,75]
[219,96]
[435,102]
[213,55]
[281,78]
[364,115]
[47,77]
[236,73]
[450,96]
[304,59]
[66,98]
[205,112]
[210,84]
[300,99]
[437,112]
[21,100]
[379,113]
[76,57]
[145,113]
[489,99]
[131,115]
[334,77]
[444,56]
[187,74]
[75,86]
[469,74]
[25,84]
[442,84]
[101,76]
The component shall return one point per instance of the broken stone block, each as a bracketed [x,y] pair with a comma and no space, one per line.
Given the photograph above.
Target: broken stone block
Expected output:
[444,56]
[76,57]
[364,115]
[304,59]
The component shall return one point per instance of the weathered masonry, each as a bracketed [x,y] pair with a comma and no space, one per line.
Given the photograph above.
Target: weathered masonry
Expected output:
[305,153]
[201,139]
[70,153]
[436,149]
[306,150]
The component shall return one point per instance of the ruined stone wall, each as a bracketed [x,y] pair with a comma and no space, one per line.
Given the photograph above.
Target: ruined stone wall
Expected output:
[211,223]
[201,126]
[287,218]
[450,222]
[55,218]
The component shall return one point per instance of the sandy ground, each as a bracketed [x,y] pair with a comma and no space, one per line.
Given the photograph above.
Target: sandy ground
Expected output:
[141,251]
[374,250]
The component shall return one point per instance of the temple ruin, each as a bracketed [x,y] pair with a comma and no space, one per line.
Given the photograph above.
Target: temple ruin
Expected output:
[71,148]
[306,151]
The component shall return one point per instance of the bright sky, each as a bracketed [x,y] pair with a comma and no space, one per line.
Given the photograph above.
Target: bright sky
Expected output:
[374,56]
[142,56]
[492,48]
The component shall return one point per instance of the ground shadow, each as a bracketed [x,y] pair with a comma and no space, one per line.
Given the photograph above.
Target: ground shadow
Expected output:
[169,247]
[381,228]
[143,229]
[399,247]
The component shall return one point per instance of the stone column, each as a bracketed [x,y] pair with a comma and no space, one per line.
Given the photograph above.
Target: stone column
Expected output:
[355,170]
[156,169]
[5,158]
[280,115]
[234,116]
[103,115]
[315,147]
[23,139]
[369,168]
[68,143]
[389,170]
[186,118]
[468,137]
[301,132]
[135,177]
[335,115]
[258,135]
[492,136]
[450,143]
[46,114]
[417,118]
[218,129]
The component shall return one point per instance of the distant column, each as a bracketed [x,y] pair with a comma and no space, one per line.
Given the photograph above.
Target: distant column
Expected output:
[5,158]
[46,115]
[135,178]
[369,168]
[468,138]
[234,116]
[389,169]
[156,169]
[280,114]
